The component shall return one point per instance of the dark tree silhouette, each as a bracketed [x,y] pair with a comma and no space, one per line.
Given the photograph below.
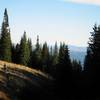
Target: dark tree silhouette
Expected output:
[17,52]
[45,57]
[30,52]
[64,75]
[36,55]
[13,50]
[55,55]
[92,60]
[54,59]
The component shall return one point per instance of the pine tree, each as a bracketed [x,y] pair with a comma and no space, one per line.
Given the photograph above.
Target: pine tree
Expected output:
[87,62]
[51,54]
[55,55]
[51,61]
[13,50]
[92,59]
[17,53]
[64,58]
[30,52]
[64,72]
[24,52]
[30,45]
[5,39]
[45,57]
[36,55]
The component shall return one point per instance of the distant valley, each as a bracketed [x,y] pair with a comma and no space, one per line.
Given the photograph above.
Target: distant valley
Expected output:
[77,53]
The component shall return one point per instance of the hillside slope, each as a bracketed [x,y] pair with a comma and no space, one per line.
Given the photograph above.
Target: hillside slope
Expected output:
[19,82]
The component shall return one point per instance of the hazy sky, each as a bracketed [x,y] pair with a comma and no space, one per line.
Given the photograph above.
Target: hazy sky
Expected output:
[52,20]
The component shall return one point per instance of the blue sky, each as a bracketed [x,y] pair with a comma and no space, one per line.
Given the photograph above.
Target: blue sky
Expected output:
[52,20]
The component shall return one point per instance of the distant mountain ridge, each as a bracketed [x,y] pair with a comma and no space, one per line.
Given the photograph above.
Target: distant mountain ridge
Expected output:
[77,53]
[77,48]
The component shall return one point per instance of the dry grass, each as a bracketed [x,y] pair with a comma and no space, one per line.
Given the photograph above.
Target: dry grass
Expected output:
[21,67]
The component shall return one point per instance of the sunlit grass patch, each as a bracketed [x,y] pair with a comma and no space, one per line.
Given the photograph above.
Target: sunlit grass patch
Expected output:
[17,67]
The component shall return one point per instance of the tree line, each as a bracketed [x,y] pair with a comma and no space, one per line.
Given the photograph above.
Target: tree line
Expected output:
[40,56]
[56,61]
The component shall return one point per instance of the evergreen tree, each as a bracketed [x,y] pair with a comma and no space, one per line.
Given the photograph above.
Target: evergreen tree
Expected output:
[5,40]
[51,65]
[30,52]
[51,54]
[92,62]
[87,62]
[55,55]
[64,72]
[54,60]
[64,58]
[13,53]
[17,53]
[92,59]
[45,57]
[30,45]
[36,55]
[24,52]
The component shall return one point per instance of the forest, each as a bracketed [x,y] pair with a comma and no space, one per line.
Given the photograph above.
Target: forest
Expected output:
[70,80]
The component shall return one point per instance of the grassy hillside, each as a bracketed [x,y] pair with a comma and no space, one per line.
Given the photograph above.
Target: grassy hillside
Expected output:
[17,67]
[19,82]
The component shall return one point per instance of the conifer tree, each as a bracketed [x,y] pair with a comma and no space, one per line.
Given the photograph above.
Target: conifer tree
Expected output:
[51,54]
[54,59]
[64,71]
[17,53]
[24,52]
[30,52]
[30,45]
[55,55]
[92,59]
[13,53]
[36,55]
[51,65]
[45,57]
[64,58]
[5,39]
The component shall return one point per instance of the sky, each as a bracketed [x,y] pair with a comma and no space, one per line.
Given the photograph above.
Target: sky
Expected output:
[69,21]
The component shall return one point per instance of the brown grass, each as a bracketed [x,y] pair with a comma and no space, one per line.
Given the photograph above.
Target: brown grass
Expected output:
[21,67]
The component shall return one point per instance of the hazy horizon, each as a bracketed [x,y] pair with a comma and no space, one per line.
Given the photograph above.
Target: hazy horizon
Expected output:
[52,20]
